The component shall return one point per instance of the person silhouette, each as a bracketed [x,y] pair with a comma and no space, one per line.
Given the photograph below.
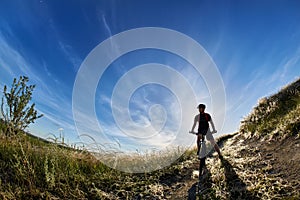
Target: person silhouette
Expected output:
[203,119]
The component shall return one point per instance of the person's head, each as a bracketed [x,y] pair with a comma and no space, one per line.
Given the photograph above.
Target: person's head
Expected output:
[201,107]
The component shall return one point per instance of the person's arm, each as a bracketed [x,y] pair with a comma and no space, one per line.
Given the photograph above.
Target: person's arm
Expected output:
[212,126]
[194,125]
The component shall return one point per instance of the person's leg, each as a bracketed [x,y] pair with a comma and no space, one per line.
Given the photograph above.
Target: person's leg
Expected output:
[199,137]
[212,141]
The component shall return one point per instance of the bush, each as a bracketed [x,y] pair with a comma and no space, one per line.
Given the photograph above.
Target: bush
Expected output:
[16,112]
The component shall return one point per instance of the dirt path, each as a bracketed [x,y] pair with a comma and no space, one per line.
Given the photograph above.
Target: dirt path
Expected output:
[187,189]
[189,186]
[181,186]
[249,169]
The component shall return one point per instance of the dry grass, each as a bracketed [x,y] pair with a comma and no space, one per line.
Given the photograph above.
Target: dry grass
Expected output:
[33,169]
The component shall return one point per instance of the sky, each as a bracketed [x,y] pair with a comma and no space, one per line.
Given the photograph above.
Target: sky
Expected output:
[147,97]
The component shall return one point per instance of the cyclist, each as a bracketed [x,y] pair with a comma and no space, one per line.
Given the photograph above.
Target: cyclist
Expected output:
[203,129]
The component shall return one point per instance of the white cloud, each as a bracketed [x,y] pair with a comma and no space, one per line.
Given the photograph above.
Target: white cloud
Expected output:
[139,131]
[290,63]
[104,99]
[50,100]
[70,54]
[103,19]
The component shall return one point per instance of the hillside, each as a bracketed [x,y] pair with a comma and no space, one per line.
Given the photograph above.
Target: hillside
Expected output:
[275,117]
[265,153]
[33,169]
[261,161]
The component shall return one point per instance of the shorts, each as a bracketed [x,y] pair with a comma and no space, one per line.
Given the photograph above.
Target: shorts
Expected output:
[209,135]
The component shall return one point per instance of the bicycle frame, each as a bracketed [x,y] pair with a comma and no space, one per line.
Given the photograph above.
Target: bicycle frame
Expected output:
[202,144]
[202,153]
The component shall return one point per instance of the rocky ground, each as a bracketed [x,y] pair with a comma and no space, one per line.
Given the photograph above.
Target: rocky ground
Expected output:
[250,169]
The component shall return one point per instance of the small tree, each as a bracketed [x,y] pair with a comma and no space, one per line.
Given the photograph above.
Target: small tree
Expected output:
[16,112]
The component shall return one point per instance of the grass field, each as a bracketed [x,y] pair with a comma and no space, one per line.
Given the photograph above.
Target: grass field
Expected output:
[33,169]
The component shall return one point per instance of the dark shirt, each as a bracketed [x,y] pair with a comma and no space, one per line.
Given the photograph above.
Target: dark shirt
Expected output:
[203,119]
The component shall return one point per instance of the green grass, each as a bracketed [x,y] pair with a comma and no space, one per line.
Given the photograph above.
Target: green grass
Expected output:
[276,116]
[33,169]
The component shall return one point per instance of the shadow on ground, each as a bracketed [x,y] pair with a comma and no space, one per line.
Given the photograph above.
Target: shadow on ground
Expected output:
[234,185]
[203,188]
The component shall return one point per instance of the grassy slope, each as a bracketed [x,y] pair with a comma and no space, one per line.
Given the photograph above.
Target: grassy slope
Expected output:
[33,169]
[262,161]
[277,116]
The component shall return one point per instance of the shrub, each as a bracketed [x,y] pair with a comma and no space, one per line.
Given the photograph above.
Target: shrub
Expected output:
[16,112]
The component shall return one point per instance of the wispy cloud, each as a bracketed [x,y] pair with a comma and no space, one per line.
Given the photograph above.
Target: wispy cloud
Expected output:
[148,124]
[70,54]
[10,59]
[103,19]
[50,100]
[284,70]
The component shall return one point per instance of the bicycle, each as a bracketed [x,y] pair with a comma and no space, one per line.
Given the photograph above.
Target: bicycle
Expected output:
[202,157]
[202,153]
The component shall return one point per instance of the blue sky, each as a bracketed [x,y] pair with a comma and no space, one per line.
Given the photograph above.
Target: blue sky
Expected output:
[254,44]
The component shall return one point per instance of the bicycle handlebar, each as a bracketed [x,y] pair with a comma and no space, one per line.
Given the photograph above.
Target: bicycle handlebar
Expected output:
[195,133]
